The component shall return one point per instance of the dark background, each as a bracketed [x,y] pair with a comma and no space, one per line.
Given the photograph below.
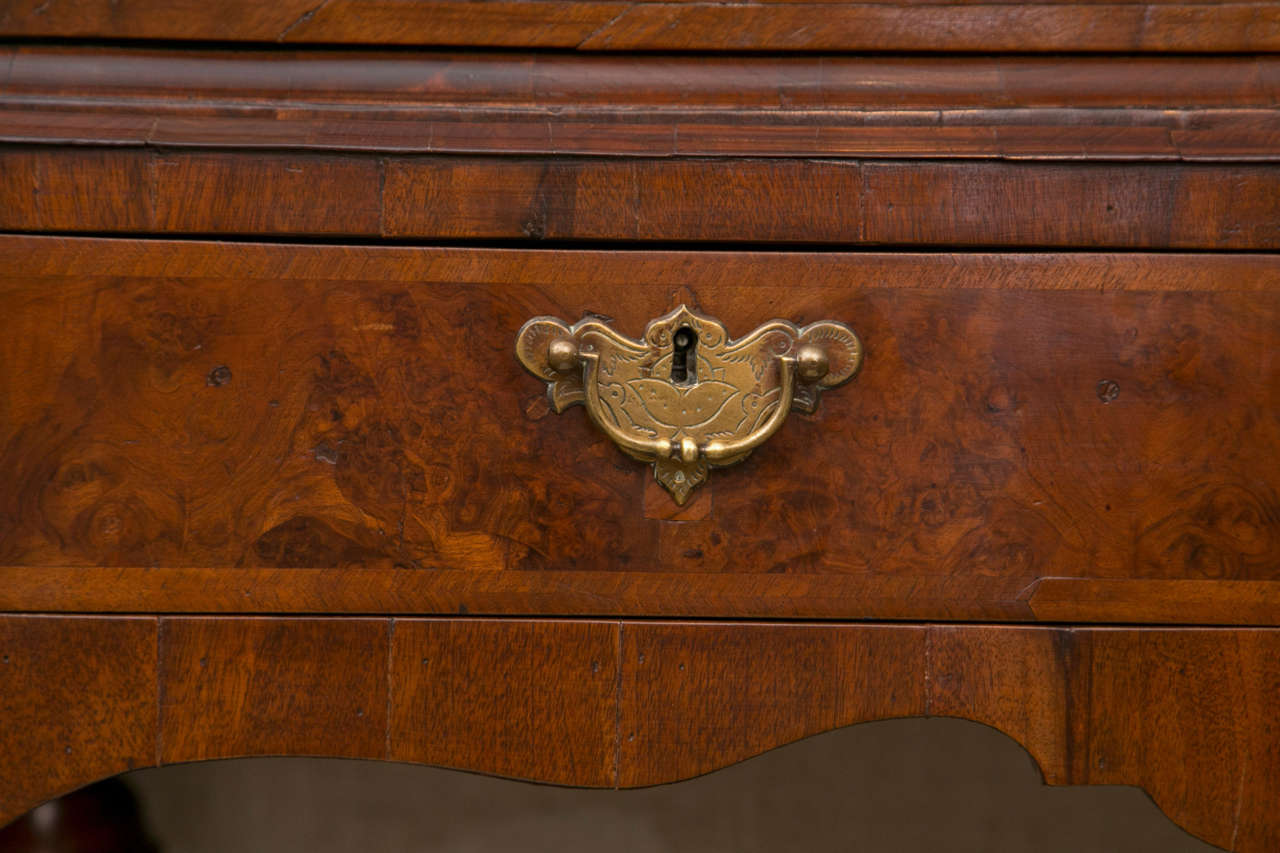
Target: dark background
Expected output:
[897,786]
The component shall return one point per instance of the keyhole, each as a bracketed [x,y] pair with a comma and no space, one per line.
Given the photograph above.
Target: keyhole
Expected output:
[683,363]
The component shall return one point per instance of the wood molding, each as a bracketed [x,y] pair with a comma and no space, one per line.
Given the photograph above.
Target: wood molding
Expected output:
[1183,713]
[192,80]
[81,589]
[1131,108]
[1170,602]
[25,257]
[610,25]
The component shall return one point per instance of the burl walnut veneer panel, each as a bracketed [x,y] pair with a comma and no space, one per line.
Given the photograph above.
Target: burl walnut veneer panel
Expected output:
[240,410]
[833,25]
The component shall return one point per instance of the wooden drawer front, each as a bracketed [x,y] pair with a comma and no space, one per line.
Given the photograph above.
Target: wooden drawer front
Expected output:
[202,415]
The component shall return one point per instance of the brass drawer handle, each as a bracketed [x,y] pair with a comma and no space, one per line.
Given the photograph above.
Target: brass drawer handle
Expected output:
[685,397]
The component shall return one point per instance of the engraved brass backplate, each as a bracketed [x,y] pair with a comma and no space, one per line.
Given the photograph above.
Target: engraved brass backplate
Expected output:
[685,397]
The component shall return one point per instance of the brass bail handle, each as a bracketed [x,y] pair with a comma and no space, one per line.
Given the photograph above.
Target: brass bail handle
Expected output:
[685,397]
[687,448]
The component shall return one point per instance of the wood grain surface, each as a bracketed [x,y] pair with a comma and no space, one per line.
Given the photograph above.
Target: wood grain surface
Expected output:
[234,687]
[846,202]
[1186,714]
[532,700]
[1203,602]
[973,107]
[77,703]
[614,593]
[202,431]
[788,25]
[695,697]
[236,408]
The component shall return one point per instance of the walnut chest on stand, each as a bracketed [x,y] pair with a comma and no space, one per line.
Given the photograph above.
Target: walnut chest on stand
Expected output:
[603,393]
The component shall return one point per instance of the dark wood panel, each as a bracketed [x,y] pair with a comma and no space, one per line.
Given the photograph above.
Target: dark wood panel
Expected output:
[77,704]
[1013,28]
[267,194]
[534,700]
[182,19]
[507,23]
[1127,205]
[1184,713]
[1029,683]
[987,204]
[734,200]
[1191,717]
[756,200]
[1019,417]
[233,687]
[694,700]
[743,688]
[76,190]
[1049,25]
[130,189]
[894,107]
